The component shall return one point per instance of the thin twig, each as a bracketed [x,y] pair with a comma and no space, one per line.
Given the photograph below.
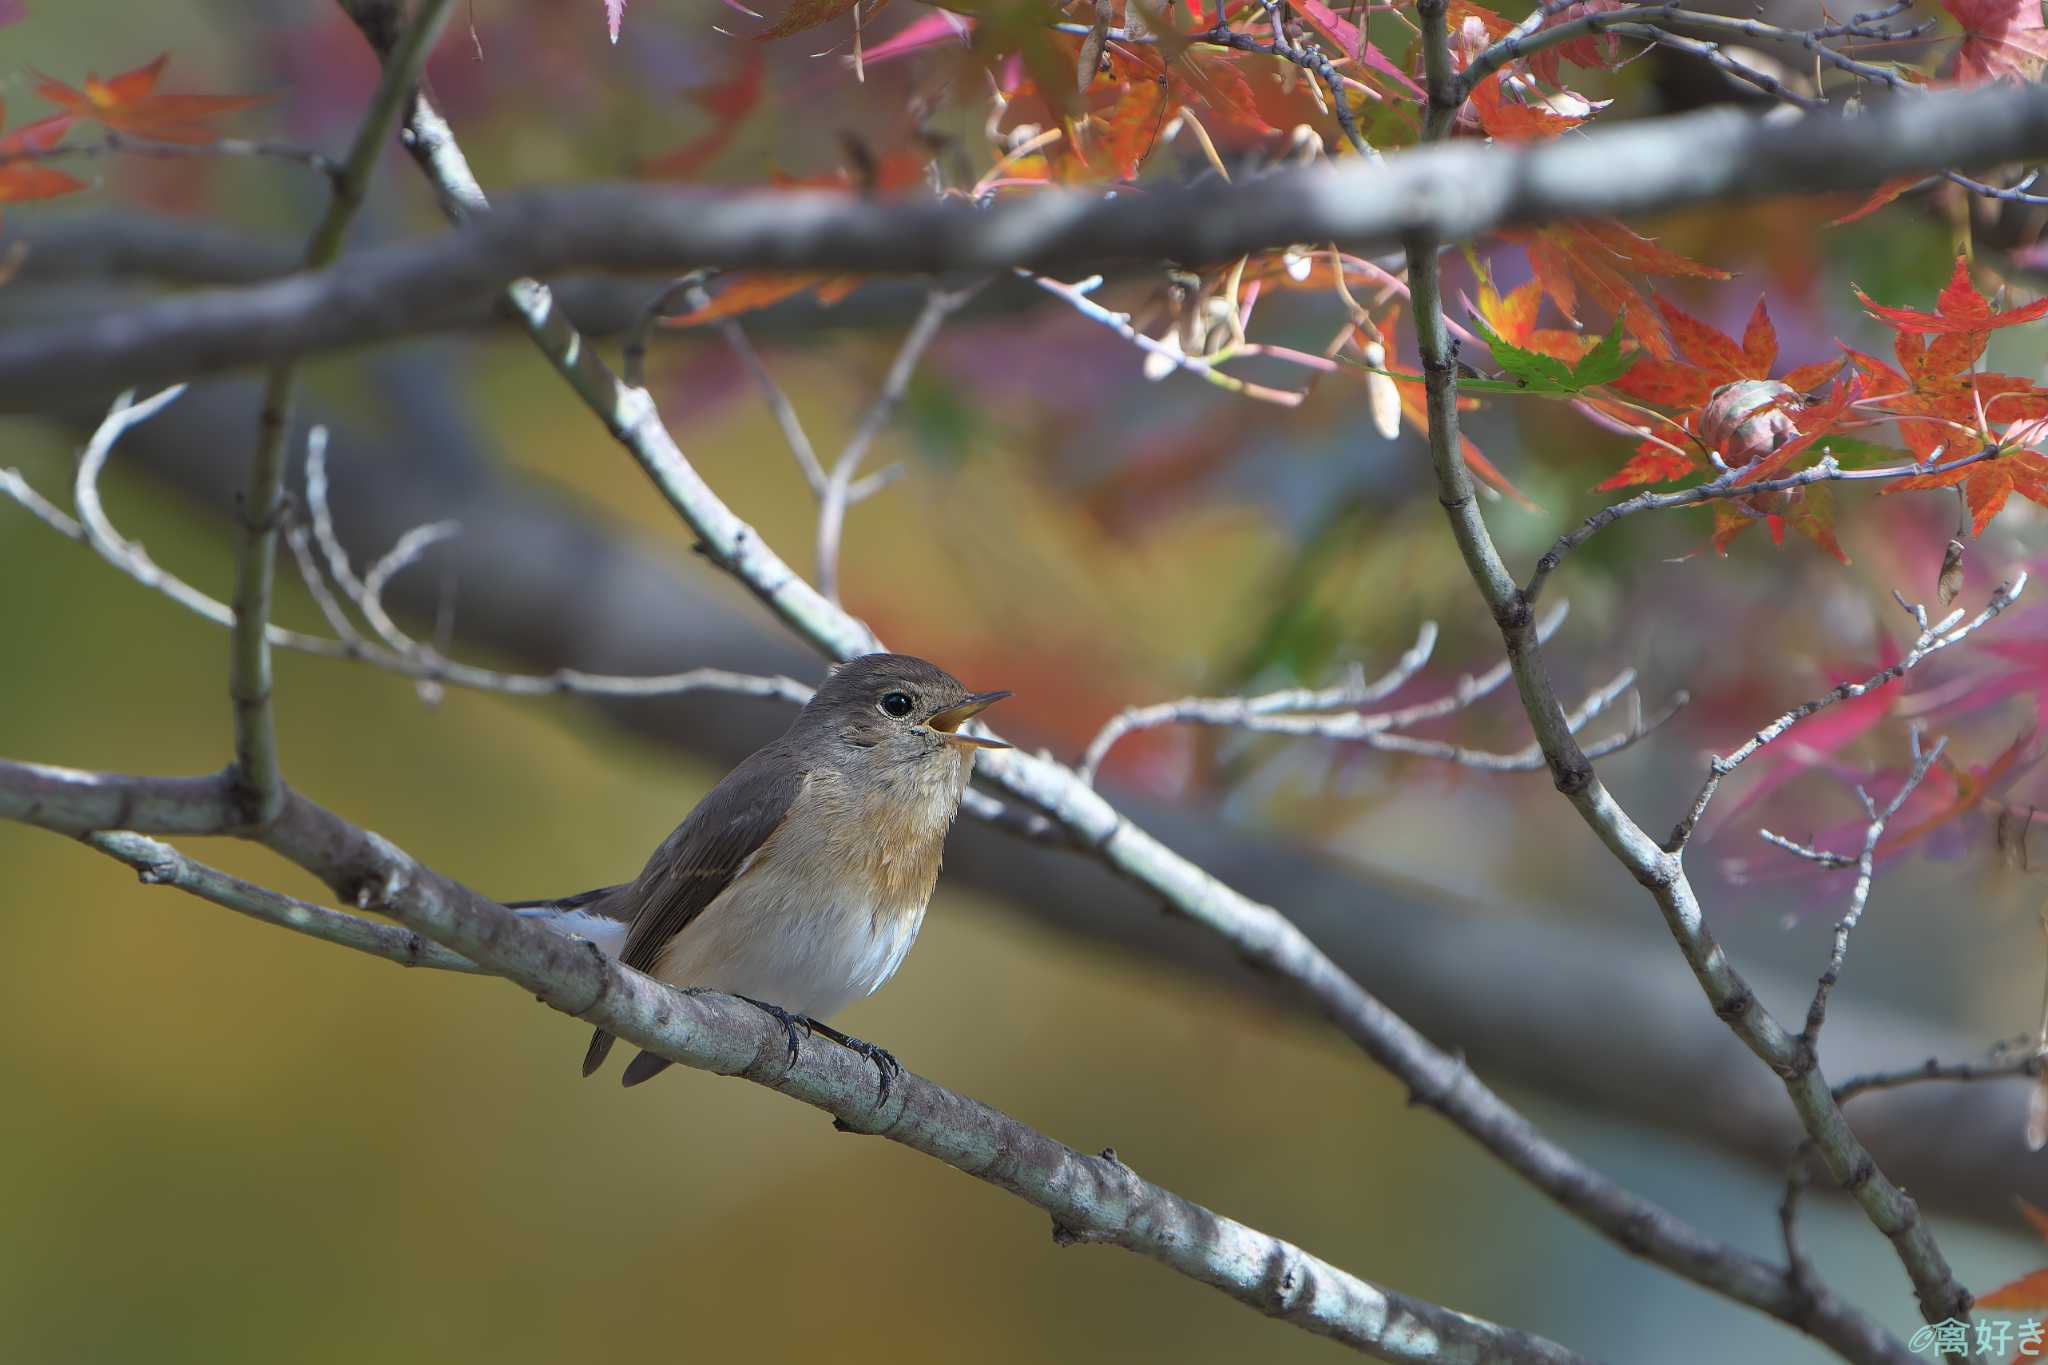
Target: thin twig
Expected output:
[96,531]
[839,489]
[1859,896]
[1728,485]
[1931,639]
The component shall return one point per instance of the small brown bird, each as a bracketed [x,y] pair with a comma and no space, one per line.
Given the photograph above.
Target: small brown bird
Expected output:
[800,881]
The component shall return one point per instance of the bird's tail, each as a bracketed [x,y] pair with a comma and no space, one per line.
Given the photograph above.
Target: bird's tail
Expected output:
[582,915]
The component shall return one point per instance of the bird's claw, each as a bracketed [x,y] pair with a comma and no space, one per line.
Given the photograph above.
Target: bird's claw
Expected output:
[887,1068]
[790,1024]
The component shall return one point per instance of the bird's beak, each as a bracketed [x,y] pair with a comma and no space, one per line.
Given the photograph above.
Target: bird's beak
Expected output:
[949,721]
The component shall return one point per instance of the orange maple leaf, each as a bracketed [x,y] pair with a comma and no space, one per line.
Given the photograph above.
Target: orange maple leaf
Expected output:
[1600,255]
[1123,135]
[128,103]
[754,290]
[25,179]
[1513,319]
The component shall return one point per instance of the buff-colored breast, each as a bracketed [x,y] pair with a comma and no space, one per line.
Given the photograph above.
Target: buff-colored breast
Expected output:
[826,910]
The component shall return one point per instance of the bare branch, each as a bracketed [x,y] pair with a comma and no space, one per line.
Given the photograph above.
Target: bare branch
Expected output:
[1294,712]
[1354,691]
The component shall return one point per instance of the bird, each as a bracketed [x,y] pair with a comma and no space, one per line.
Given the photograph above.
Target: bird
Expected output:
[800,881]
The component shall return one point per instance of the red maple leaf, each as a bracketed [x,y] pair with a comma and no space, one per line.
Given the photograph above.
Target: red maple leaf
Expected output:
[1518,120]
[1962,310]
[2013,468]
[729,101]
[2002,40]
[1939,398]
[128,103]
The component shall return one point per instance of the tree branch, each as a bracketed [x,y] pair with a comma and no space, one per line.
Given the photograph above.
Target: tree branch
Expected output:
[1090,1199]
[263,509]
[1450,191]
[1660,872]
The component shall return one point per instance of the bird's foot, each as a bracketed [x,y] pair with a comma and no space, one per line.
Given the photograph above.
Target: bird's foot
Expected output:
[790,1023]
[887,1068]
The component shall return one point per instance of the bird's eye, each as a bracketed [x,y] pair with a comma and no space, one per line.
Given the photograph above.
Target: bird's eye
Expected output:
[896,703]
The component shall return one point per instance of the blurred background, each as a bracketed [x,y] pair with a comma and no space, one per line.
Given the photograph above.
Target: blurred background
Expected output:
[226,1143]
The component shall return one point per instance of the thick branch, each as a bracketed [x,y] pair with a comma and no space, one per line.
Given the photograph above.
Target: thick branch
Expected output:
[1451,191]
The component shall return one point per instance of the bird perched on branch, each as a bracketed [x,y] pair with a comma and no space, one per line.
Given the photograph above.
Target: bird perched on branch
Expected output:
[800,881]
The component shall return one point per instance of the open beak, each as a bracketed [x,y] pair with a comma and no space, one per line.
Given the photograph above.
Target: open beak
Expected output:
[949,721]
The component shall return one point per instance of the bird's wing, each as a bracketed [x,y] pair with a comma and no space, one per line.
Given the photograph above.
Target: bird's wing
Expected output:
[700,860]
[706,852]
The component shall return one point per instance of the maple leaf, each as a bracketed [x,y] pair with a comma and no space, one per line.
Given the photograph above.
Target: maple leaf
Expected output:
[1710,359]
[1599,255]
[1129,128]
[1518,120]
[1962,309]
[30,179]
[1989,482]
[1596,50]
[755,290]
[1879,197]
[729,101]
[2002,40]
[1652,463]
[1513,318]
[128,103]
[2030,1290]
[1936,395]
